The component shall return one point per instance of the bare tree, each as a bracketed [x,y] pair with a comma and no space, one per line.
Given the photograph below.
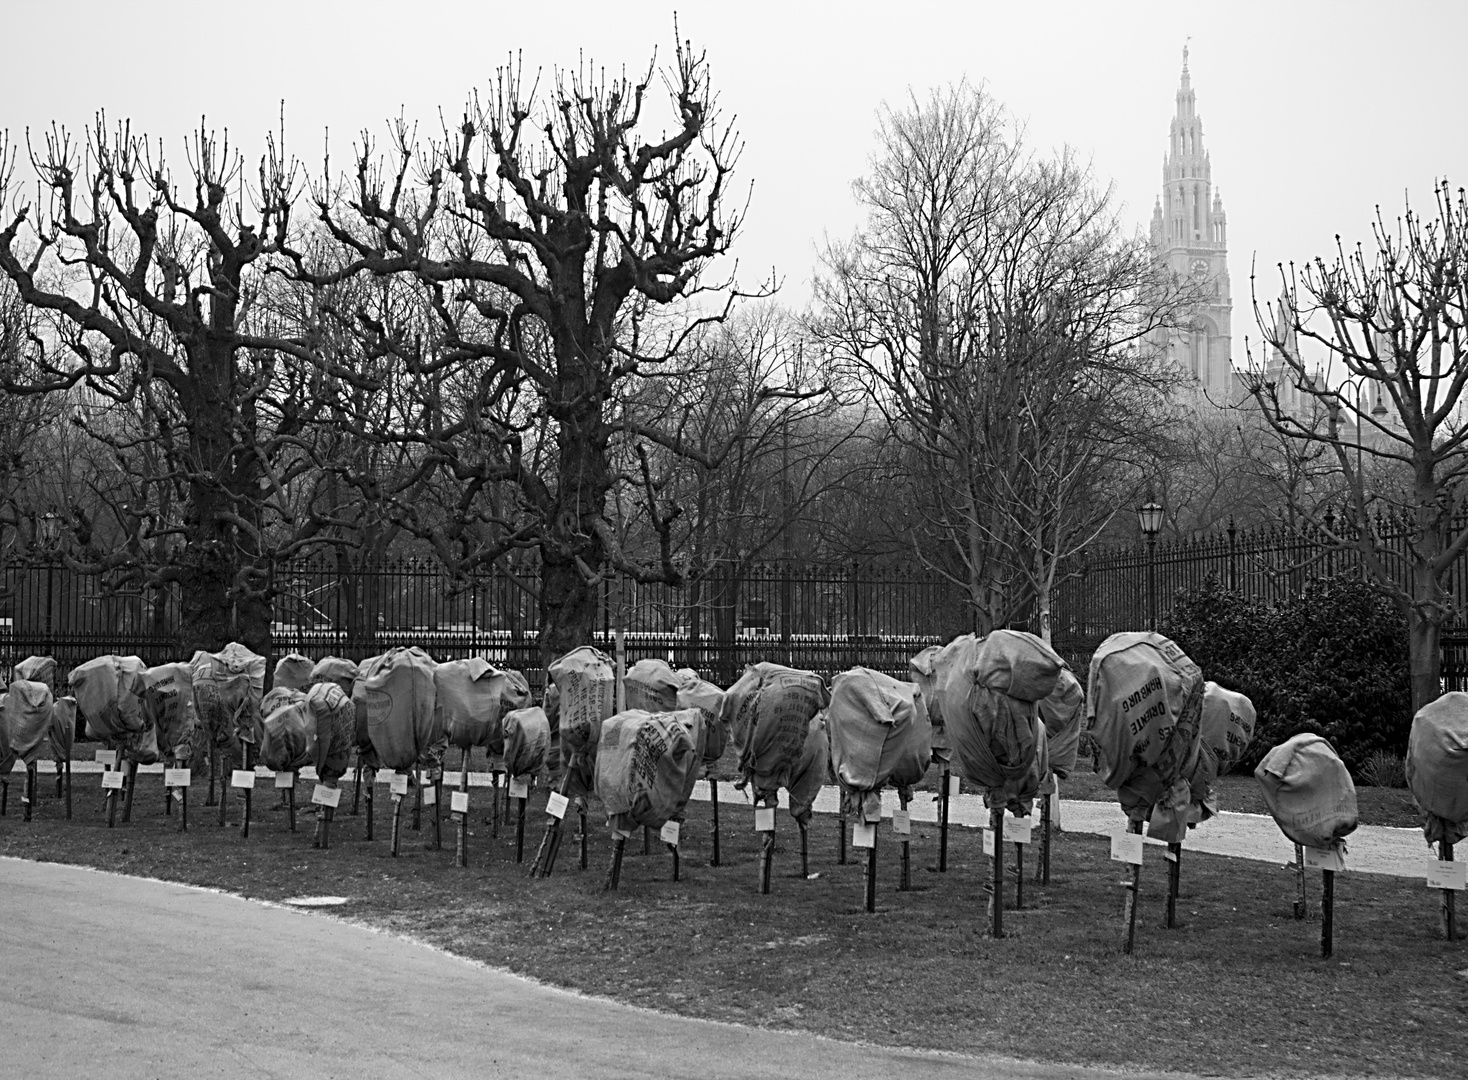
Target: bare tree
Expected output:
[542,239]
[158,304]
[1009,331]
[1393,320]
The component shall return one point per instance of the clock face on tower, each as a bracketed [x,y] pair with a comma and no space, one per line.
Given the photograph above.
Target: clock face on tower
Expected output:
[1200,268]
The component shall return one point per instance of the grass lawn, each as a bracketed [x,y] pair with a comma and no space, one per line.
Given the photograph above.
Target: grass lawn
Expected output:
[1239,988]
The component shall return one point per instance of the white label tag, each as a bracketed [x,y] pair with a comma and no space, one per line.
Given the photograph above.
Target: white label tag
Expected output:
[177,777]
[670,829]
[107,757]
[1447,875]
[988,841]
[1169,854]
[863,835]
[764,819]
[112,780]
[242,778]
[322,795]
[519,788]
[285,779]
[955,786]
[902,822]
[430,794]
[458,802]
[397,784]
[556,805]
[1018,830]
[1323,859]
[1126,847]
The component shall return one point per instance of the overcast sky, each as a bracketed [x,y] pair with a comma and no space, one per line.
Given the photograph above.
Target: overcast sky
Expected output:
[1314,113]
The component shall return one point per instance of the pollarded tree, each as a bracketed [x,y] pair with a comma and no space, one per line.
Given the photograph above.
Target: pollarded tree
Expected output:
[1392,320]
[542,239]
[157,303]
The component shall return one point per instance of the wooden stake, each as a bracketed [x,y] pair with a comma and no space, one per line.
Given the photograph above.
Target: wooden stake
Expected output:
[674,849]
[943,822]
[1042,874]
[494,803]
[369,777]
[438,811]
[646,840]
[130,786]
[996,896]
[68,789]
[1302,903]
[461,847]
[1132,889]
[581,813]
[1445,853]
[520,832]
[1174,882]
[245,827]
[397,823]
[841,835]
[290,804]
[327,814]
[766,859]
[1019,877]
[905,883]
[1327,914]
[357,788]
[804,849]
[30,791]
[183,806]
[417,799]
[714,802]
[614,872]
[871,873]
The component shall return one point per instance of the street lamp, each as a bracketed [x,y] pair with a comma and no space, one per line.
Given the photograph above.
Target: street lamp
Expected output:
[1149,519]
[50,528]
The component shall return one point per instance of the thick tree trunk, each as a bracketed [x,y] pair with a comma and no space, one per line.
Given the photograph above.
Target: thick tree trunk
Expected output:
[1424,651]
[567,608]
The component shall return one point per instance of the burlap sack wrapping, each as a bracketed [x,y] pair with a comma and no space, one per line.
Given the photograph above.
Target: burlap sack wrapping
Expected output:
[695,693]
[63,729]
[7,755]
[1437,767]
[527,740]
[288,737]
[1064,713]
[768,714]
[168,705]
[514,692]
[336,719]
[652,685]
[997,739]
[811,770]
[335,669]
[646,764]
[1017,664]
[1227,729]
[585,695]
[397,692]
[470,695]
[1309,791]
[27,719]
[879,733]
[294,670]
[228,690]
[1144,709]
[106,692]
[278,697]
[40,669]
[923,670]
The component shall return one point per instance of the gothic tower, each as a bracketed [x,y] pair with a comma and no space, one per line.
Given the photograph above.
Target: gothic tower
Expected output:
[1190,235]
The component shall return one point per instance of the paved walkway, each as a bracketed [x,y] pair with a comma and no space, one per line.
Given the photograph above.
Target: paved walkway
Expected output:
[1371,849]
[132,978]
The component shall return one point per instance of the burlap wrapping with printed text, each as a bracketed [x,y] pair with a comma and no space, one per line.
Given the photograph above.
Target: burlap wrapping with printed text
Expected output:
[987,691]
[1144,705]
[1437,767]
[768,713]
[652,686]
[585,696]
[397,690]
[1309,791]
[527,740]
[646,764]
[168,705]
[278,697]
[696,693]
[1227,730]
[879,734]
[335,718]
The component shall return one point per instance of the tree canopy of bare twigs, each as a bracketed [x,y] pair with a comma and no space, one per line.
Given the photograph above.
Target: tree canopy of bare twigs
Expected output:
[1008,329]
[1386,319]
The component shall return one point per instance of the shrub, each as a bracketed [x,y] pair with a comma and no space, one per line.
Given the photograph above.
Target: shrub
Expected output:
[1332,660]
[1383,769]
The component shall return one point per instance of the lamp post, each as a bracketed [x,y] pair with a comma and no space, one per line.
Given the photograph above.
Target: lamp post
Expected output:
[50,527]
[1149,518]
